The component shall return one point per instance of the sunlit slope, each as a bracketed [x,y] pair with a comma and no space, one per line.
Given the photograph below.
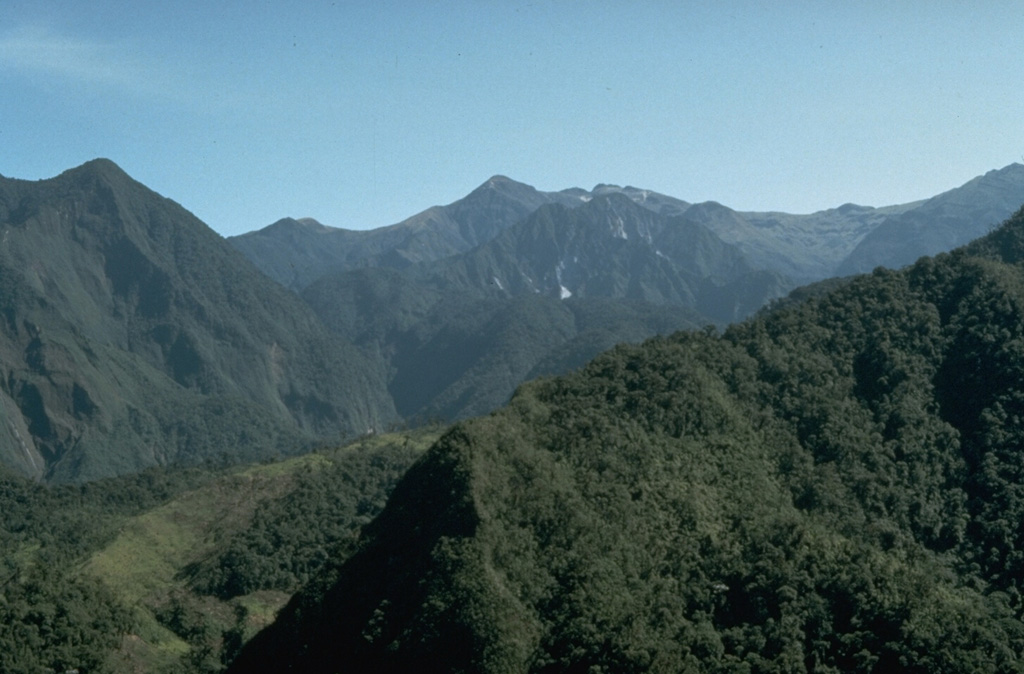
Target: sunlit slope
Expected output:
[834,486]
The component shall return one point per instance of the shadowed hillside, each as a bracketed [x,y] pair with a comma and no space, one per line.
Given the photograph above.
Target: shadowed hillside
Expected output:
[834,487]
[454,352]
[133,335]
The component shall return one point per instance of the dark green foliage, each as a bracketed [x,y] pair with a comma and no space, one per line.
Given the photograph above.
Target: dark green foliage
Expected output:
[291,538]
[63,523]
[52,622]
[835,486]
[50,616]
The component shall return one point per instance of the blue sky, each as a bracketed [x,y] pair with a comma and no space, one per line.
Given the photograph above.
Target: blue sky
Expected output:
[360,114]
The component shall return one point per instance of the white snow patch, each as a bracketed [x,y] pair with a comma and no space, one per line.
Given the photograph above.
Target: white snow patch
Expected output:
[660,254]
[585,198]
[619,230]
[563,292]
[497,282]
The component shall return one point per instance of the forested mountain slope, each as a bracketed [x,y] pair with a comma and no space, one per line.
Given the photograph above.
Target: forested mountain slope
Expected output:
[835,486]
[171,569]
[134,335]
[455,351]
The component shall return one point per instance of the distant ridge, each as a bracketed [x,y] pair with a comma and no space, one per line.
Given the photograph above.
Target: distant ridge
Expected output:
[610,247]
[507,249]
[134,335]
[804,248]
[941,223]
[295,253]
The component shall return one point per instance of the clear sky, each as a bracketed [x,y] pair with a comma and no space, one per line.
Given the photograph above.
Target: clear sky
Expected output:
[360,114]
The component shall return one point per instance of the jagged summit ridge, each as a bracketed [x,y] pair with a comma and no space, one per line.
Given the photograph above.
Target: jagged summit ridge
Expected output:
[804,248]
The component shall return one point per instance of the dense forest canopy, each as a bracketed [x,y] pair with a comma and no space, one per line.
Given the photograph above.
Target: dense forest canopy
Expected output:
[170,570]
[834,486]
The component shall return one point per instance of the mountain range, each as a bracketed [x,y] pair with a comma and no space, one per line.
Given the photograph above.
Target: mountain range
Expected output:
[134,335]
[568,274]
[804,248]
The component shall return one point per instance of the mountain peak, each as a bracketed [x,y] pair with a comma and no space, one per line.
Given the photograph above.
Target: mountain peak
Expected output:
[503,185]
[707,207]
[315,225]
[300,224]
[610,199]
[101,163]
[504,188]
[98,167]
[850,207]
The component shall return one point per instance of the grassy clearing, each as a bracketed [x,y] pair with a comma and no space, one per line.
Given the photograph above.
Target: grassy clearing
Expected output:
[145,564]
[151,550]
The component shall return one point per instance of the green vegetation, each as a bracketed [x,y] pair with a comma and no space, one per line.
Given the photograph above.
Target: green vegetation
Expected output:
[834,486]
[289,540]
[51,615]
[173,569]
[132,335]
[452,352]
